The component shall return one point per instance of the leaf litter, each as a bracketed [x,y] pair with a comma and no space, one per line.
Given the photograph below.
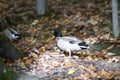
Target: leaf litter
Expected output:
[79,18]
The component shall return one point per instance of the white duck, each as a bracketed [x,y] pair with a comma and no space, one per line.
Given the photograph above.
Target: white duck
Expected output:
[69,43]
[12,34]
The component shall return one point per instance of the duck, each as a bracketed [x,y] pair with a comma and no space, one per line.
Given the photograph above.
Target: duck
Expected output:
[69,43]
[11,33]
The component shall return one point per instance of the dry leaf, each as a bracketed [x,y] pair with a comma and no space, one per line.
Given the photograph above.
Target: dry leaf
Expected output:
[29,61]
[93,22]
[91,67]
[42,49]
[110,47]
[108,75]
[34,55]
[35,22]
[71,71]
[55,64]
[88,76]
[88,58]
[67,63]
[25,58]
[81,70]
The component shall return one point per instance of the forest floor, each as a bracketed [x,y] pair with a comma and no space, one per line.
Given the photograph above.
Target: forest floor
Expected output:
[88,20]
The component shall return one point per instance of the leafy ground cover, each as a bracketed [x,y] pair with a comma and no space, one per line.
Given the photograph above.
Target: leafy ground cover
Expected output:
[85,19]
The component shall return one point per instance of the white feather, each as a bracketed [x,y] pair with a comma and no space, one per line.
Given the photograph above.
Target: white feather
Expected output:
[69,43]
[64,43]
[11,35]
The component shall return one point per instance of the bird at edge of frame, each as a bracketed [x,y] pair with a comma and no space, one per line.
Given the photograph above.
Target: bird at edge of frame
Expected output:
[11,33]
[2,25]
[69,43]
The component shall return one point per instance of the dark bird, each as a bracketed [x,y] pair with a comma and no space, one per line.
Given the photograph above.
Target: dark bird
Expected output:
[8,20]
[11,33]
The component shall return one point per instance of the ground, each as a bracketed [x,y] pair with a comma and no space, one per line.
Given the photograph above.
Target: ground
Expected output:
[88,20]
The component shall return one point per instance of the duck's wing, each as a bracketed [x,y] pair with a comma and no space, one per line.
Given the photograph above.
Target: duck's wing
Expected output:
[15,32]
[72,39]
[83,45]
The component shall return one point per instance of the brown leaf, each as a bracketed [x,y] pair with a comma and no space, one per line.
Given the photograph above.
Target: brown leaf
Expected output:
[25,58]
[68,63]
[108,75]
[29,61]
[34,55]
[55,64]
[91,67]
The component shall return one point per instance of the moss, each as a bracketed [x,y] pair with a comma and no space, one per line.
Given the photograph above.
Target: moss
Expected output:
[9,75]
[106,15]
[3,38]
[115,49]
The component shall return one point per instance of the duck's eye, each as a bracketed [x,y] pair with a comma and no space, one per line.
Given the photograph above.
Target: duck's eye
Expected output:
[71,42]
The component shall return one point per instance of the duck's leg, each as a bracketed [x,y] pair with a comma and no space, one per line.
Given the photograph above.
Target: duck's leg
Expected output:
[69,54]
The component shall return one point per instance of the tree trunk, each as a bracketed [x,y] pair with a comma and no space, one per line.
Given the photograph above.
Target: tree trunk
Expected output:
[8,50]
[116,29]
[42,7]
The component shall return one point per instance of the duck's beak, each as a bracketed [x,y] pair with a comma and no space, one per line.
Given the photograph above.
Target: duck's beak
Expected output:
[50,39]
[53,37]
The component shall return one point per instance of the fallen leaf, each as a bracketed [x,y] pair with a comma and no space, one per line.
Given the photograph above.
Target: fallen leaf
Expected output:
[93,22]
[110,47]
[67,63]
[71,71]
[88,58]
[108,75]
[34,55]
[91,67]
[35,22]
[55,64]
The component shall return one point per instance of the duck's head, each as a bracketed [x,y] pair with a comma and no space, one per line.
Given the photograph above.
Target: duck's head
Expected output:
[8,21]
[57,33]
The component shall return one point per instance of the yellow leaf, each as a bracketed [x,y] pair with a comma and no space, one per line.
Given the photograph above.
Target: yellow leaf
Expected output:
[35,22]
[108,36]
[71,71]
[88,58]
[110,47]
